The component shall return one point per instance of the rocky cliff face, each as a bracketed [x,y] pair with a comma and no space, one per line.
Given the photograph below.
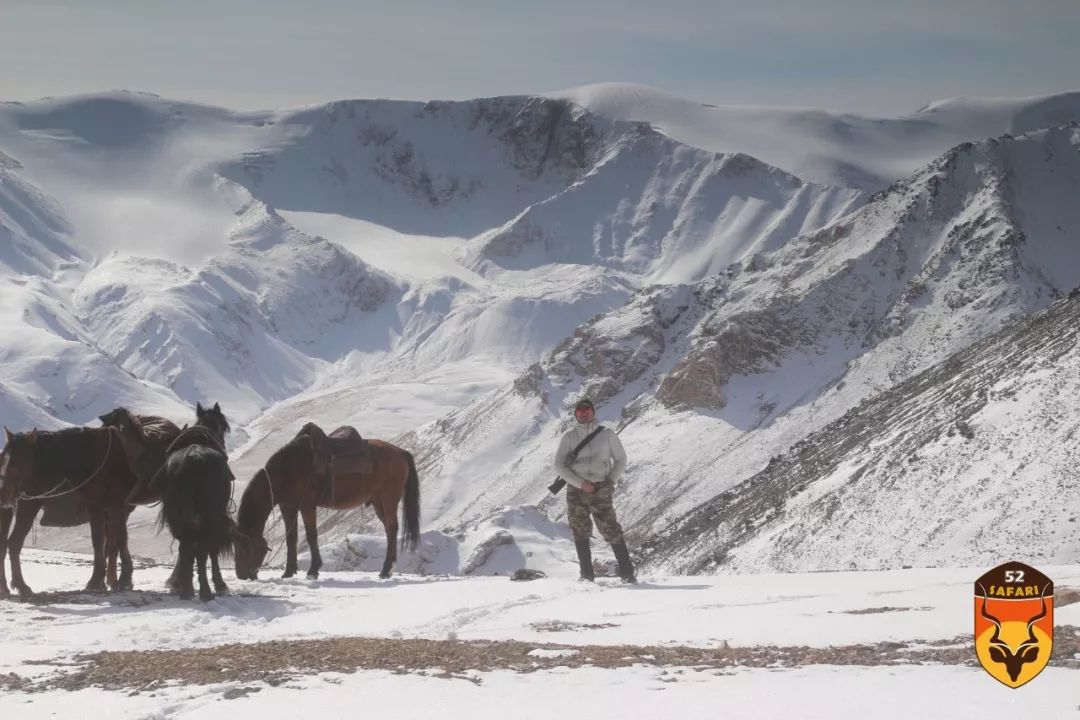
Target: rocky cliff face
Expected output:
[964,463]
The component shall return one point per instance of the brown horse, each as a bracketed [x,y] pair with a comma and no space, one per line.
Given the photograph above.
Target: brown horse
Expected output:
[295,479]
[88,464]
[145,438]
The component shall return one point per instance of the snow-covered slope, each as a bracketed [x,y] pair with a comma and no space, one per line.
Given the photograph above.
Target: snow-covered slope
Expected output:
[658,209]
[825,147]
[969,461]
[708,381]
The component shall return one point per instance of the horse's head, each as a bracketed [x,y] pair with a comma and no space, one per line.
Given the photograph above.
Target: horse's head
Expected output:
[214,420]
[249,553]
[18,464]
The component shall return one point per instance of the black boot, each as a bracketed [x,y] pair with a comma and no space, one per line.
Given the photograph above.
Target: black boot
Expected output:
[626,568]
[584,556]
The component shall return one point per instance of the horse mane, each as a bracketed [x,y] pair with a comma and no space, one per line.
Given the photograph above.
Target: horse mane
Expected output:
[134,421]
[311,428]
[252,503]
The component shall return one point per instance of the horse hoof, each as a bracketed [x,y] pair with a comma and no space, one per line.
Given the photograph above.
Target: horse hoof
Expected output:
[187,594]
[206,595]
[95,587]
[4,593]
[126,585]
[313,575]
[384,575]
[25,592]
[289,573]
[221,589]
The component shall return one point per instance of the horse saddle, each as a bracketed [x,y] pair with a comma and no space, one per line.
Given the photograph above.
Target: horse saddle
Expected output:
[349,453]
[64,511]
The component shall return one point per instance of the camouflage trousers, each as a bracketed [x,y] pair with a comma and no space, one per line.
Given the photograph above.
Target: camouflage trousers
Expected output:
[583,508]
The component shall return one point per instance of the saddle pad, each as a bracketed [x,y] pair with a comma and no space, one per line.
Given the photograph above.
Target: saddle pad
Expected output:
[349,452]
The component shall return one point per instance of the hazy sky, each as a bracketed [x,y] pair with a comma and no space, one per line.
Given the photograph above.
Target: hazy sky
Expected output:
[859,55]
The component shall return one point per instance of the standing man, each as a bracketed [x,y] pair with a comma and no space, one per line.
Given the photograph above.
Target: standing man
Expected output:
[592,476]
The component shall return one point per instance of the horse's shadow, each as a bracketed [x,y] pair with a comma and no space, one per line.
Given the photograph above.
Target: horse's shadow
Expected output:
[364,583]
[93,603]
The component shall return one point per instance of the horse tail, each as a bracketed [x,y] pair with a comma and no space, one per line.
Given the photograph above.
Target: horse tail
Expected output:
[411,520]
[218,525]
[181,480]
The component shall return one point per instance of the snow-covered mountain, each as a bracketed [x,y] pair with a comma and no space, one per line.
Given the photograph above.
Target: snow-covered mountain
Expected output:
[969,461]
[268,309]
[830,148]
[708,381]
[450,273]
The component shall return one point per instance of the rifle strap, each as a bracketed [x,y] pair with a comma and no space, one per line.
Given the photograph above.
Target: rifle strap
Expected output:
[583,443]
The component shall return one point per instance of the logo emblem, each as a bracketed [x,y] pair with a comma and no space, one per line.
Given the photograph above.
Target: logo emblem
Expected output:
[1014,622]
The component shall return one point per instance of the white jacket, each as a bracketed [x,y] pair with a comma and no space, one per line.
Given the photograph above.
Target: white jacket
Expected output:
[602,459]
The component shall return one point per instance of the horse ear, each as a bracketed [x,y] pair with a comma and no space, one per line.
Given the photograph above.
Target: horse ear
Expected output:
[217,408]
[32,438]
[199,409]
[7,434]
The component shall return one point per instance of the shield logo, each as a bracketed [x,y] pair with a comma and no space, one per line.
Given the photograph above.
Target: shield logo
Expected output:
[1014,622]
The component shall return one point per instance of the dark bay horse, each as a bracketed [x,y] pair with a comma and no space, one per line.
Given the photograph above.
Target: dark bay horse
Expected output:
[85,465]
[196,488]
[294,479]
[146,440]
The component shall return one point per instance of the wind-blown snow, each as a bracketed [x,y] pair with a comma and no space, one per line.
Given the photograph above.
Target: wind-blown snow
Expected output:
[821,146]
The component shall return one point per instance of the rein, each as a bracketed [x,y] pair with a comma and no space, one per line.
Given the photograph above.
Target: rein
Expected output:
[49,495]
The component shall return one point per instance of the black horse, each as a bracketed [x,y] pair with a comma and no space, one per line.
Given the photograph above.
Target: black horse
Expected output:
[196,488]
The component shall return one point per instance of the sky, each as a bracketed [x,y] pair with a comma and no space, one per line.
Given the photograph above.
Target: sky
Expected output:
[849,55]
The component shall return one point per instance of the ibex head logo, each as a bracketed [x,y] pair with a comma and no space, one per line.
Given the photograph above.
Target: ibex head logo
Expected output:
[1014,641]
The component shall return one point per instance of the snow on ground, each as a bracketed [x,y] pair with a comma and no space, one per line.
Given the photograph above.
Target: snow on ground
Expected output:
[811,693]
[815,609]
[410,256]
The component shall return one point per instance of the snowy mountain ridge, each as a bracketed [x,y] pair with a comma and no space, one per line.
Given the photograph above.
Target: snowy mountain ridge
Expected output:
[450,274]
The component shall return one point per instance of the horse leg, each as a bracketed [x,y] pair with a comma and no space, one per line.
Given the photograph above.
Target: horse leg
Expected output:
[204,584]
[97,537]
[215,573]
[6,516]
[112,551]
[111,554]
[127,567]
[116,542]
[311,530]
[173,583]
[289,516]
[24,520]
[184,587]
[388,515]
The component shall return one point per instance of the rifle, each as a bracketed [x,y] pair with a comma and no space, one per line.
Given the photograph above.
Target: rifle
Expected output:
[557,486]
